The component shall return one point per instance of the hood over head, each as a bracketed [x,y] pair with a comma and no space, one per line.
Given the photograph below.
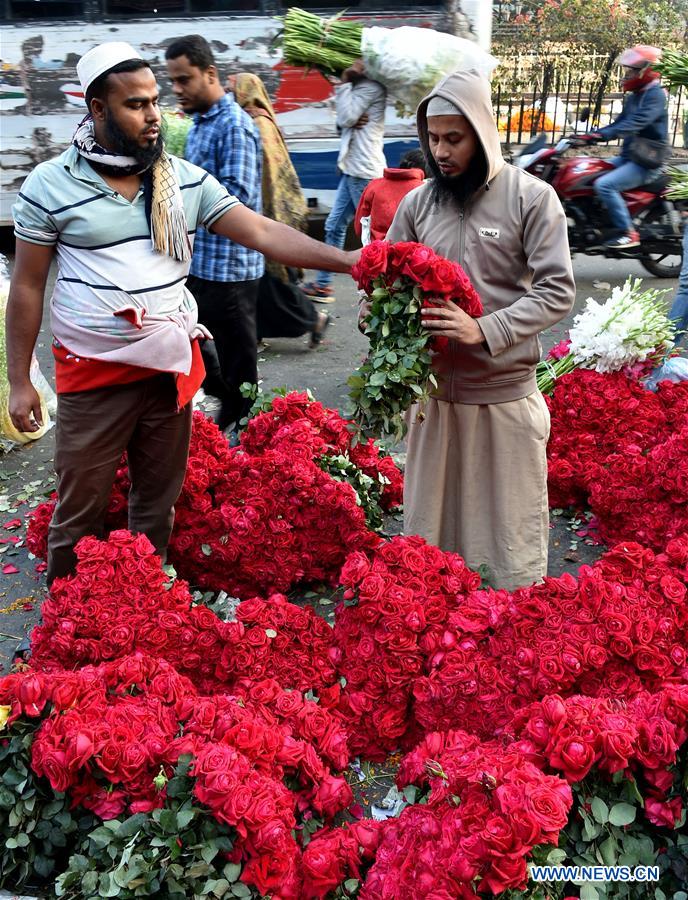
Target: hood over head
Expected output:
[470,92]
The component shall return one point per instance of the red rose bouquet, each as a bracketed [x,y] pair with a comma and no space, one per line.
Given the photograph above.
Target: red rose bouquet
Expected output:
[399,279]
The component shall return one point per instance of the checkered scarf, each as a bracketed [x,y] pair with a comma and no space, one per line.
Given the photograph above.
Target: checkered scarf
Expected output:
[164,206]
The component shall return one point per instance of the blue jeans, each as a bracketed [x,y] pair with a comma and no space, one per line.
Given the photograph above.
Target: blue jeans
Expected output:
[679,308]
[625,175]
[346,199]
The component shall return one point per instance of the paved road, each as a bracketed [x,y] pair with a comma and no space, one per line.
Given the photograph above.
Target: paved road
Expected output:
[27,473]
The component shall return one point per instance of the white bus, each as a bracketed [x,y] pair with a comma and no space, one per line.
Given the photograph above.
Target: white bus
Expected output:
[41,101]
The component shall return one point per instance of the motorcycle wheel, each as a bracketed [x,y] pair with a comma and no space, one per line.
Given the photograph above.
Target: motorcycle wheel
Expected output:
[661,265]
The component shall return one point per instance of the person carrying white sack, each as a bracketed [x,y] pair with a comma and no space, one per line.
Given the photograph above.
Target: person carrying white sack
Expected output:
[476,469]
[120,215]
[360,105]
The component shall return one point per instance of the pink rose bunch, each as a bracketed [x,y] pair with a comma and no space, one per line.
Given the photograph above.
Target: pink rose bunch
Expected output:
[560,350]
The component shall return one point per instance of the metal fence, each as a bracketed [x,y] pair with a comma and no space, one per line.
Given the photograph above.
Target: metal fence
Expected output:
[556,104]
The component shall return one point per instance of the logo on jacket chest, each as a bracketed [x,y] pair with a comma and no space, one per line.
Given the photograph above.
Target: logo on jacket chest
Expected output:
[489,233]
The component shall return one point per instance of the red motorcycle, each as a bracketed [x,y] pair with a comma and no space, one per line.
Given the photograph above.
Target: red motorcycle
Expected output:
[656,217]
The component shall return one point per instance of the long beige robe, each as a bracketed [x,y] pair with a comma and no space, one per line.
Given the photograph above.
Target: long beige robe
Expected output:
[476,484]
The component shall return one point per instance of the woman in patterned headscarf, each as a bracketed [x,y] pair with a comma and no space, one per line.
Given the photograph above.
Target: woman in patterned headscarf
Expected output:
[283,311]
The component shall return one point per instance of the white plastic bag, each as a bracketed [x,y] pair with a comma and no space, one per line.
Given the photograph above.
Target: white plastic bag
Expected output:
[42,385]
[410,61]
[365,230]
[674,369]
[9,436]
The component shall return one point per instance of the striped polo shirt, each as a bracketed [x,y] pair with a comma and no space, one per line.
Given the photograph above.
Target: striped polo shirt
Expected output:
[106,259]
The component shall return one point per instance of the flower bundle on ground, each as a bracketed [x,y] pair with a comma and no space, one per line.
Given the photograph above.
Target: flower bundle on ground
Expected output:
[268,514]
[513,796]
[111,736]
[619,450]
[630,332]
[554,715]
[338,856]
[448,655]
[489,806]
[575,780]
[283,641]
[178,753]
[396,598]
[399,279]
[120,602]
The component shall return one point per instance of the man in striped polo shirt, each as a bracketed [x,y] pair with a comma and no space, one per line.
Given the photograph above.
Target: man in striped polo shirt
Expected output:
[121,215]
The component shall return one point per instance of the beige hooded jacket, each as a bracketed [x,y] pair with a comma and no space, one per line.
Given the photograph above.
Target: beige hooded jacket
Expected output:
[511,239]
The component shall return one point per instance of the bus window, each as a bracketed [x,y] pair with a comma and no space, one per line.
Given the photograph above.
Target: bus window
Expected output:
[167,7]
[220,6]
[143,7]
[363,6]
[46,9]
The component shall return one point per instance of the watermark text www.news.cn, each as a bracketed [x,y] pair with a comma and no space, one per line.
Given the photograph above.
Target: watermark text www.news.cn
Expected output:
[594,873]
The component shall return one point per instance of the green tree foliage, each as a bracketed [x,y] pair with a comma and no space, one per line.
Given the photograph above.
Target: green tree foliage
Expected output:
[604,26]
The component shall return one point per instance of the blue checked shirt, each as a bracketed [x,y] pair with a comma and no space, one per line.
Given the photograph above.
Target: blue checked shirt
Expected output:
[225,142]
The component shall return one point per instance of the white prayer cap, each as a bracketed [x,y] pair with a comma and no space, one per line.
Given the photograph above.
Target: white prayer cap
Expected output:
[439,106]
[101,59]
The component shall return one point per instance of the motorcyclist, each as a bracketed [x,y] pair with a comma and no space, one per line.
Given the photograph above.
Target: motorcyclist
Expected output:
[644,115]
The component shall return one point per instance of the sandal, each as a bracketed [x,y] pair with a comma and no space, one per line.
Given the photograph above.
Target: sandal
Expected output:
[318,332]
[318,294]
[22,654]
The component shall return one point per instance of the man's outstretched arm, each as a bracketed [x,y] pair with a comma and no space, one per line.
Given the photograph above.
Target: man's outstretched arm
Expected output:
[280,242]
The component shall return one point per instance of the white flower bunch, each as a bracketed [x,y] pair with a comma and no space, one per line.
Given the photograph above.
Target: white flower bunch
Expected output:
[629,331]
[629,328]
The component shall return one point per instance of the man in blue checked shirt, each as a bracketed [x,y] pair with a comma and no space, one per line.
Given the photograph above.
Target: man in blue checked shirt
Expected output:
[224,275]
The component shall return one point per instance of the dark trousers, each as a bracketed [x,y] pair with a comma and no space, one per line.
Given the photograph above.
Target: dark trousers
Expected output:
[283,309]
[93,429]
[228,311]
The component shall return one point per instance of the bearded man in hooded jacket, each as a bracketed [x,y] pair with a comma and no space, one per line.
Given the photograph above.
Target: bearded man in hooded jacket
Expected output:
[476,472]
